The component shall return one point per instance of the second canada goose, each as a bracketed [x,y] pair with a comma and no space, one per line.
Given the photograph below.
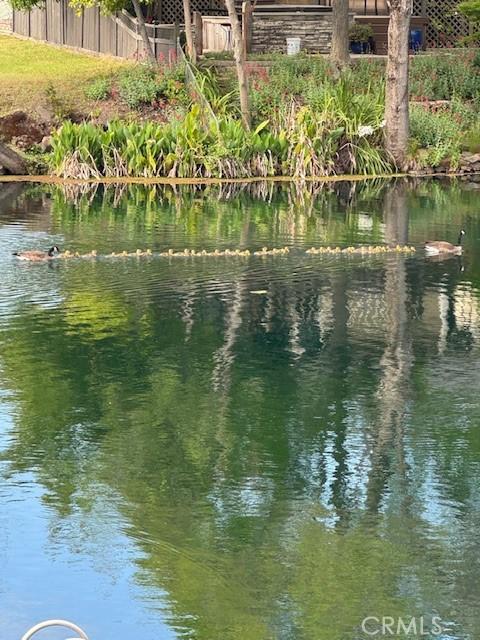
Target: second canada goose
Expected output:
[436,247]
[38,256]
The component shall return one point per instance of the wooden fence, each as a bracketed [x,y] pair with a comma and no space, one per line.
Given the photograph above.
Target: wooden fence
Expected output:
[117,35]
[216,33]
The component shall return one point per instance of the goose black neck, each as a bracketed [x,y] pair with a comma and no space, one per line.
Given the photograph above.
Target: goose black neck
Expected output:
[460,239]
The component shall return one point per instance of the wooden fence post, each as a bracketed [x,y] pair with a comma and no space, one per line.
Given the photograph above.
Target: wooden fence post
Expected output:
[247,26]
[176,45]
[116,33]
[198,24]
[99,26]
[62,22]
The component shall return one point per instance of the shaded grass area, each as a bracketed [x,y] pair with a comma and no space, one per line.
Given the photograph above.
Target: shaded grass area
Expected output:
[28,68]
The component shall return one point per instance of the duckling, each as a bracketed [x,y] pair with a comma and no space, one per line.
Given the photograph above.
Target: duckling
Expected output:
[38,256]
[433,248]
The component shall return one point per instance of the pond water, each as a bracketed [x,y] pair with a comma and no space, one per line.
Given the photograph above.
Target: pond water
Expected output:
[240,448]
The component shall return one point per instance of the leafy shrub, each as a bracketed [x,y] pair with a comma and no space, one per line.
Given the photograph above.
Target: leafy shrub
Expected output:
[60,107]
[442,76]
[471,139]
[438,133]
[367,72]
[476,60]
[360,32]
[171,85]
[138,86]
[464,113]
[142,85]
[99,89]
[288,77]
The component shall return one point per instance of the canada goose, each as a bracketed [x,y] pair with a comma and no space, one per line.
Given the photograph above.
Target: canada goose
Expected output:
[436,247]
[37,256]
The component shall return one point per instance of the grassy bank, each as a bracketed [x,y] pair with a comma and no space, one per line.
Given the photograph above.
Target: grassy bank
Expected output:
[28,69]
[307,123]
[444,95]
[138,121]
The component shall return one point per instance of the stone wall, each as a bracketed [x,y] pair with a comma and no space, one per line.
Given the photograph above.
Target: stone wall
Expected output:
[270,30]
[6,16]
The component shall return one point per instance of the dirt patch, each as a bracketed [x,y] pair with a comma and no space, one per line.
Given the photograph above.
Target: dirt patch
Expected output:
[22,130]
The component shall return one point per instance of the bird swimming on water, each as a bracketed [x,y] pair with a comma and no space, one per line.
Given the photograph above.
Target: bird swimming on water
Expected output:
[434,248]
[38,256]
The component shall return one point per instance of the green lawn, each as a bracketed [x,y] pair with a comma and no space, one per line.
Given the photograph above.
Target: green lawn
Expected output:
[27,68]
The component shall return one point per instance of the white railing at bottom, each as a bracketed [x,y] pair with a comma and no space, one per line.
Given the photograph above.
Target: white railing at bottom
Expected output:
[56,623]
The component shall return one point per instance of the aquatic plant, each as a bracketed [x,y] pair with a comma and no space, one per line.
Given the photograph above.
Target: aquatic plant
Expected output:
[343,136]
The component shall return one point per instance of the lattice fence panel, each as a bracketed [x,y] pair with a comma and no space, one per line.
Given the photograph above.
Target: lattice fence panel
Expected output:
[172,10]
[445,24]
[417,7]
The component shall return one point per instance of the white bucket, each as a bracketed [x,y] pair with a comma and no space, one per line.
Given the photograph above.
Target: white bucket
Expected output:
[293,46]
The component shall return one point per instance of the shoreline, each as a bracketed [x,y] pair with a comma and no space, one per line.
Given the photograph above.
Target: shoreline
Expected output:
[50,179]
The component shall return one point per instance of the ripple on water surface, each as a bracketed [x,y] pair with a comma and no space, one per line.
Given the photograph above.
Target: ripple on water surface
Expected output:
[275,446]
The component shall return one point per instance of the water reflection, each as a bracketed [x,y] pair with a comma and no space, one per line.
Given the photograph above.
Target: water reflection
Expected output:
[210,462]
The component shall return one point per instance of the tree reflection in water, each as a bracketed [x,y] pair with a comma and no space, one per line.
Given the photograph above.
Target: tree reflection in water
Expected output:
[283,464]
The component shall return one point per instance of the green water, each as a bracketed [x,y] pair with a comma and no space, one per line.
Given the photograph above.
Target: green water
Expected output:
[183,458]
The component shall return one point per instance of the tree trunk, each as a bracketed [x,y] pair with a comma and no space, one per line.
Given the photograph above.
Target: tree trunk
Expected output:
[11,161]
[340,40]
[239,55]
[147,45]
[396,98]
[187,12]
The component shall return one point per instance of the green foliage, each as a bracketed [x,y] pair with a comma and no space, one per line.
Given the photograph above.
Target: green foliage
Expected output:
[142,85]
[442,76]
[138,86]
[24,5]
[471,139]
[106,6]
[171,84]
[99,89]
[221,103]
[437,133]
[343,136]
[360,32]
[57,103]
[470,9]
[476,60]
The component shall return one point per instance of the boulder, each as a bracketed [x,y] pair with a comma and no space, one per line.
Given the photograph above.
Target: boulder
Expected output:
[11,161]
[468,159]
